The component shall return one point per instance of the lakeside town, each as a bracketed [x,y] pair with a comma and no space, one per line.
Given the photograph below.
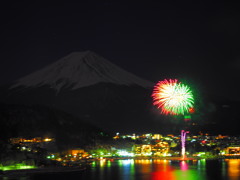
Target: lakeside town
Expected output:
[24,153]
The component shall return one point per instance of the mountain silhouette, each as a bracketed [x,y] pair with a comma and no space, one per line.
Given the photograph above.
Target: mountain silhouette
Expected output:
[80,69]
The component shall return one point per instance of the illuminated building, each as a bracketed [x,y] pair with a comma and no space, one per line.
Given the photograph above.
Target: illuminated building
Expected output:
[31,144]
[32,140]
[159,149]
[137,149]
[146,150]
[157,136]
[142,150]
[232,151]
[75,152]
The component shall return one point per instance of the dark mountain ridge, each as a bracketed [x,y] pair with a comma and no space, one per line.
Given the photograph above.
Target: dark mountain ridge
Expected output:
[31,121]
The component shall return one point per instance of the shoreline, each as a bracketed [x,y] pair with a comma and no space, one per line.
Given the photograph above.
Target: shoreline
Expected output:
[166,158]
[44,170]
[61,169]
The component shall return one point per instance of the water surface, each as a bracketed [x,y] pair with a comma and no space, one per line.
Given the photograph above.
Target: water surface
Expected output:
[130,169]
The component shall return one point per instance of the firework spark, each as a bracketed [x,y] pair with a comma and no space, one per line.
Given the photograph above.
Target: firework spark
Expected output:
[172,97]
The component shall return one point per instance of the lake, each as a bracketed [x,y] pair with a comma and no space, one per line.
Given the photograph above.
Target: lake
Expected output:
[130,169]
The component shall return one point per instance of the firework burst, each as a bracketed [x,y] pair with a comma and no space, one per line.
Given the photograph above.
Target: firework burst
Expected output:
[172,97]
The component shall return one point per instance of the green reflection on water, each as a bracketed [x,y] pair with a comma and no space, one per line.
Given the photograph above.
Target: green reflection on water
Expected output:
[190,174]
[94,164]
[224,169]
[120,163]
[132,168]
[108,163]
[16,166]
[203,162]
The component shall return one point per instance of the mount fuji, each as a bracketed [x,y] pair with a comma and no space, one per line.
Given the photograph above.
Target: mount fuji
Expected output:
[92,88]
[78,70]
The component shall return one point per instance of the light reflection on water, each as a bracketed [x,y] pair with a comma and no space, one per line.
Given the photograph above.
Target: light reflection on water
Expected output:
[171,170]
[233,168]
[155,169]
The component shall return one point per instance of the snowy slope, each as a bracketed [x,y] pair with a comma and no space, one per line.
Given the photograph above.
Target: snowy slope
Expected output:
[80,69]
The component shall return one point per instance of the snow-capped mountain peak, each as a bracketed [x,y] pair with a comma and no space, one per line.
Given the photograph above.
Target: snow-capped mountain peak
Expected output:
[80,69]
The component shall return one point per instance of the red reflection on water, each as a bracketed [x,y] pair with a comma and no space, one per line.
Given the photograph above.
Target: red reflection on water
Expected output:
[163,175]
[163,171]
[167,172]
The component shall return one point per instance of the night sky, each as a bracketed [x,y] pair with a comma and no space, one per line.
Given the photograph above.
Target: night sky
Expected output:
[198,43]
